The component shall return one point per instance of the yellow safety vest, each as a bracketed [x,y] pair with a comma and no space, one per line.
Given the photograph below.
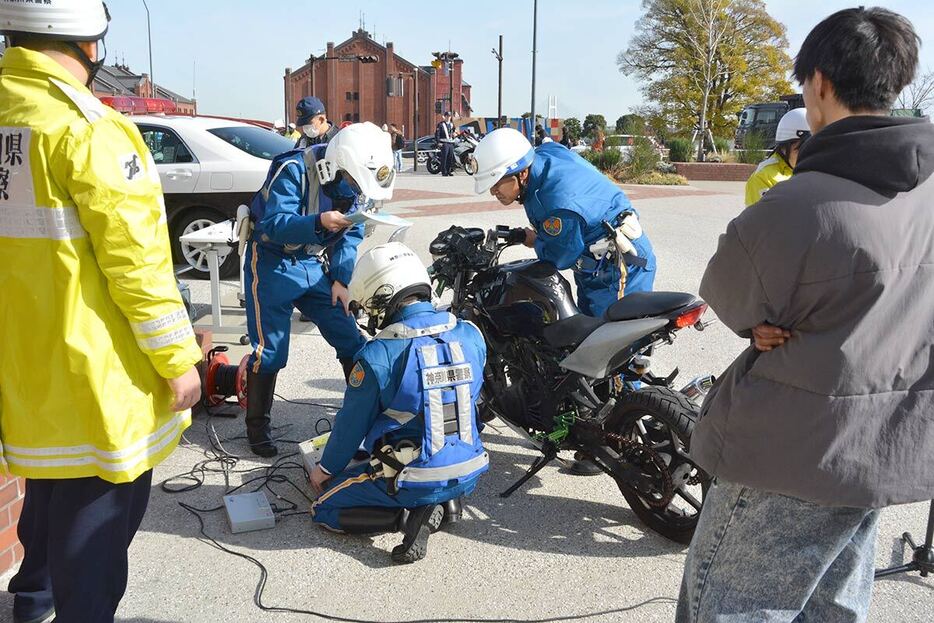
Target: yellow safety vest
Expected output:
[770,172]
[91,321]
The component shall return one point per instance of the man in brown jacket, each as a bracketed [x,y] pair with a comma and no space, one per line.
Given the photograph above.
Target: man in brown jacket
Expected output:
[829,415]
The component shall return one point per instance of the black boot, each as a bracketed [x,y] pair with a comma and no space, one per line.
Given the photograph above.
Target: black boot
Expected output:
[418,527]
[259,395]
[347,364]
[369,520]
[453,509]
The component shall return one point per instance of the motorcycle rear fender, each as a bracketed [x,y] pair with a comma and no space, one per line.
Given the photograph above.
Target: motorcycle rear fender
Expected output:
[592,357]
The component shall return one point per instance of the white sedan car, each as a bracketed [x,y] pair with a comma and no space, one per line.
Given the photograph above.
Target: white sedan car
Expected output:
[208,167]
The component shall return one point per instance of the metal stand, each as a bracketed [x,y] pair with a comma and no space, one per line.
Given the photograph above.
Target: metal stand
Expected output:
[923,556]
[550,452]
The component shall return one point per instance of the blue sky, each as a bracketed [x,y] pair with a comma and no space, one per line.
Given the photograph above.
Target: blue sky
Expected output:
[235,51]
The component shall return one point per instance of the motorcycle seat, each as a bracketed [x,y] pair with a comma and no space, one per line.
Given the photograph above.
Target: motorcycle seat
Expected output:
[645,304]
[571,331]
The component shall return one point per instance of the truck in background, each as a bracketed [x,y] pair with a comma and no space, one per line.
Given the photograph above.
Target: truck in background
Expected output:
[762,120]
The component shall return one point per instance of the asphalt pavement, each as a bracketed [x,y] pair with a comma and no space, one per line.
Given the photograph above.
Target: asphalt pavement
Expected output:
[564,547]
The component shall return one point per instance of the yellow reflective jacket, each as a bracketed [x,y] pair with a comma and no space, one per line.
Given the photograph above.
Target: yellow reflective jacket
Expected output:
[770,172]
[91,321]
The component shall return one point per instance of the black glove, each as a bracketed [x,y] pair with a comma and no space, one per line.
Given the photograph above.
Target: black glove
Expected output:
[516,235]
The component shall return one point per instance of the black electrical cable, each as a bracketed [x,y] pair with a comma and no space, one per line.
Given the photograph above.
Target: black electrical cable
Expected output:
[227,462]
[264,578]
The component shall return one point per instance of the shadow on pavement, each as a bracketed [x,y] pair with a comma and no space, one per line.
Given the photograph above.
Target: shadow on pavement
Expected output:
[527,521]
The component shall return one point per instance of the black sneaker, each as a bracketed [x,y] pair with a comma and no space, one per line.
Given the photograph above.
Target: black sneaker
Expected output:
[418,525]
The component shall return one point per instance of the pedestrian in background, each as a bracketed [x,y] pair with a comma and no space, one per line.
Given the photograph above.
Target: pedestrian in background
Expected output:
[828,416]
[97,369]
[398,144]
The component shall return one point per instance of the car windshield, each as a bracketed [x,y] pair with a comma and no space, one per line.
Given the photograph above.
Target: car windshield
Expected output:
[255,141]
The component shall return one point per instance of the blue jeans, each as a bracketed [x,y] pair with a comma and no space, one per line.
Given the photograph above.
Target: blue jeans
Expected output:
[764,557]
[397,159]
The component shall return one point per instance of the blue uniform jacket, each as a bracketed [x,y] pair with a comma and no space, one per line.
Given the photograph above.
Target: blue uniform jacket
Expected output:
[285,222]
[383,362]
[567,200]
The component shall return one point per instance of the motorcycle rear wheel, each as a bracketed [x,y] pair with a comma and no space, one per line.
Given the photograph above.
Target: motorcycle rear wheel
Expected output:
[434,166]
[663,419]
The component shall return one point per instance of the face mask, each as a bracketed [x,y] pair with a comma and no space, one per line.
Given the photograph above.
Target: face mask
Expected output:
[310,131]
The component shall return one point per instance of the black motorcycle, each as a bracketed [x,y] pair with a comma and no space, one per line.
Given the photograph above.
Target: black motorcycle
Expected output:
[567,381]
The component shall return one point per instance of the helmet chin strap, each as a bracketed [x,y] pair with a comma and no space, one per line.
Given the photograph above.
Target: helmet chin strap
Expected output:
[92,66]
[523,188]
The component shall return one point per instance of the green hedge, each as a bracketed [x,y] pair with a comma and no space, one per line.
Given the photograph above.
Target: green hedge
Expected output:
[679,150]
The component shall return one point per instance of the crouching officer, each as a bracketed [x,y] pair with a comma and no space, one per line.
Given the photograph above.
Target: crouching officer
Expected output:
[567,202]
[301,255]
[411,401]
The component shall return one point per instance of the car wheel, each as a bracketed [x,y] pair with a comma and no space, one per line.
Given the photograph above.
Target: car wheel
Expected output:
[191,220]
[422,157]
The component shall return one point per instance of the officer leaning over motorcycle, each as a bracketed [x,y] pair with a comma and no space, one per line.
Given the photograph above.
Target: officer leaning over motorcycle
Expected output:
[301,254]
[580,219]
[411,401]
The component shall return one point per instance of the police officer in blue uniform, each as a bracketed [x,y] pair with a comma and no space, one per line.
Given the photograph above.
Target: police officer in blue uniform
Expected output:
[411,401]
[575,212]
[301,255]
[569,204]
[312,122]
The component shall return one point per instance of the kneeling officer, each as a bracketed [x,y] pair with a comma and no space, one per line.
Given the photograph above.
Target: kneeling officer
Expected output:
[411,400]
[301,255]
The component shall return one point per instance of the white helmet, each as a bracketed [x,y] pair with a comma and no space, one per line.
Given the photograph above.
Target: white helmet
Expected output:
[385,276]
[278,124]
[792,126]
[363,152]
[502,152]
[61,20]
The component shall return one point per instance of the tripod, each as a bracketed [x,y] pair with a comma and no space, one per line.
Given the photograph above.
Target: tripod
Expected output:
[923,558]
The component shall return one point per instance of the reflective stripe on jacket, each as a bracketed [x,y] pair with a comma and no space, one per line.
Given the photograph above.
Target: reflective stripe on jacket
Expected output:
[91,321]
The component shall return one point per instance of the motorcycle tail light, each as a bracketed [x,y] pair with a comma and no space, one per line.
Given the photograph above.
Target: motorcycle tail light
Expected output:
[690,317]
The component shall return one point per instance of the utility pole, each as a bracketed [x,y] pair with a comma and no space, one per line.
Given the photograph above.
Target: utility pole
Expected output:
[152,82]
[534,52]
[499,95]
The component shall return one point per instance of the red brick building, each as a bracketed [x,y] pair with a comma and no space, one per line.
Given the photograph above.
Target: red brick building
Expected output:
[381,92]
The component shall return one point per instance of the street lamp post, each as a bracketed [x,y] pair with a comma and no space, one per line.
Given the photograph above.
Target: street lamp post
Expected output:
[499,95]
[534,52]
[152,82]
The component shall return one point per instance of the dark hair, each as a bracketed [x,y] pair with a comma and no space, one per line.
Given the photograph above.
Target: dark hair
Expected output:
[868,55]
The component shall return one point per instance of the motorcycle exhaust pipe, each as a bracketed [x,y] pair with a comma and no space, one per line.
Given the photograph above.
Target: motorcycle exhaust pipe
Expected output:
[697,389]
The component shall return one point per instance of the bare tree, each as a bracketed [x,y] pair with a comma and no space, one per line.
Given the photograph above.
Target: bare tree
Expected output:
[704,43]
[919,94]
